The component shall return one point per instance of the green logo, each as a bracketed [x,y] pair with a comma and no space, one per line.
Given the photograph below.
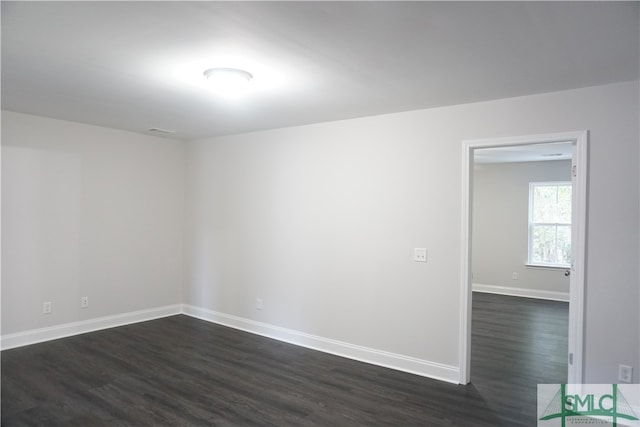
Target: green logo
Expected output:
[588,406]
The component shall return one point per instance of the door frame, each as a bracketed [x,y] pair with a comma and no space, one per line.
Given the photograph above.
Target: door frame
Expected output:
[579,140]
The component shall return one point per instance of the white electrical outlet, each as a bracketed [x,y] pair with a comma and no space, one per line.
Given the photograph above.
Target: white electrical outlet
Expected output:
[259,304]
[46,307]
[420,254]
[514,276]
[84,302]
[625,373]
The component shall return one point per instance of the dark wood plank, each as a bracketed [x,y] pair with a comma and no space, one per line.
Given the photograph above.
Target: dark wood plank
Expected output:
[516,344]
[180,371]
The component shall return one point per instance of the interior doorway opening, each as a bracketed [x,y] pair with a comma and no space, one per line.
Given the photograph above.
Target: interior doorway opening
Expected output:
[577,142]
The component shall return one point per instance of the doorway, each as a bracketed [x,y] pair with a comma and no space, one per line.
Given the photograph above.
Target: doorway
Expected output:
[578,142]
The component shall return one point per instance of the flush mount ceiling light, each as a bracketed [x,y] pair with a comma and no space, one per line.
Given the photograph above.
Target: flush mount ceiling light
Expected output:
[229,82]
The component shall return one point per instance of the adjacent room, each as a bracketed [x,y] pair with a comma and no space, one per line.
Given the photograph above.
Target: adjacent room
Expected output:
[306,213]
[521,252]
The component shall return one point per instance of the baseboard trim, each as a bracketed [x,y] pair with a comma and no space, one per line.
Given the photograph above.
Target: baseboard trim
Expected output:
[385,359]
[395,361]
[35,336]
[521,292]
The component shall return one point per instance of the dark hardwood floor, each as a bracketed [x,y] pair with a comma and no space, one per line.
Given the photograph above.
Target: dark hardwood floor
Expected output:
[517,343]
[180,371]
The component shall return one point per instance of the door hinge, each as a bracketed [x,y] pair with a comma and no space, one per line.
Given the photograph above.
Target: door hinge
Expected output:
[570,358]
[574,170]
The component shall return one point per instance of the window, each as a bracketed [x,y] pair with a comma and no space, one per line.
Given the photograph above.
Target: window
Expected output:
[550,224]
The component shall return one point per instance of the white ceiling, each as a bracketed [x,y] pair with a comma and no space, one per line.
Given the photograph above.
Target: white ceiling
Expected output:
[138,65]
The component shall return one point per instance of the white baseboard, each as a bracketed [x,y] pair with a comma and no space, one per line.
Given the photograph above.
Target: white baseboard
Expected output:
[399,362]
[75,328]
[521,292]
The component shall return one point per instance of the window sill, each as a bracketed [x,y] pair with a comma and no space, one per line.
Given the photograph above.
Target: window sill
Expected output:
[548,267]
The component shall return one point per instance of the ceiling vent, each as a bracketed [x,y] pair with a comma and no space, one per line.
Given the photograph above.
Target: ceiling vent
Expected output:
[159,130]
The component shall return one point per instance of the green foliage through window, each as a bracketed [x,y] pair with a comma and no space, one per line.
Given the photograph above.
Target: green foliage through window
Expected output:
[550,223]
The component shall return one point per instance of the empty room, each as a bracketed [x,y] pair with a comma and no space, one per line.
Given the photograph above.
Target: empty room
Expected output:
[320,213]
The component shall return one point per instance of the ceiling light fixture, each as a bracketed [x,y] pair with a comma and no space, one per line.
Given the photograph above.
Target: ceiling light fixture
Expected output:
[228,82]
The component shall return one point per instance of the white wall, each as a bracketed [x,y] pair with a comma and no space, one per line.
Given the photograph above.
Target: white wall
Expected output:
[87,211]
[320,221]
[501,222]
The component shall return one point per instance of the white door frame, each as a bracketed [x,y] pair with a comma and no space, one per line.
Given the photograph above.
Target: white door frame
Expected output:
[579,139]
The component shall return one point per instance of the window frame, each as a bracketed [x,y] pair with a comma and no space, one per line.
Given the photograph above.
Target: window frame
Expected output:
[531,224]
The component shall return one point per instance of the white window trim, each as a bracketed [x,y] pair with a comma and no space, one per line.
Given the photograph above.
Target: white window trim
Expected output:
[547,266]
[530,262]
